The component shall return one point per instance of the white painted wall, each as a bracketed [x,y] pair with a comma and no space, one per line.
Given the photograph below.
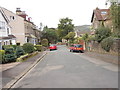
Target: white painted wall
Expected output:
[3,32]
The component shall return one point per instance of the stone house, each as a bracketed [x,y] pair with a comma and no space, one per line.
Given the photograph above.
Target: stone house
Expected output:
[99,17]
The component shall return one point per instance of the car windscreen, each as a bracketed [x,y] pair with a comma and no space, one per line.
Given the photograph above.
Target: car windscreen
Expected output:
[79,46]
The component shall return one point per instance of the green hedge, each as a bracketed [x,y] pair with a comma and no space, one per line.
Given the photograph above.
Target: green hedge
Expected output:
[39,47]
[19,51]
[107,43]
[2,53]
[9,55]
[28,47]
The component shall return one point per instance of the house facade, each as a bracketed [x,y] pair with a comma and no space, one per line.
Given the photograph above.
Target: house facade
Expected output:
[6,36]
[32,34]
[21,27]
[17,25]
[99,17]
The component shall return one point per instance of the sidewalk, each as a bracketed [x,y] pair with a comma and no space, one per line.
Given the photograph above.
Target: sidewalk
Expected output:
[105,57]
[12,70]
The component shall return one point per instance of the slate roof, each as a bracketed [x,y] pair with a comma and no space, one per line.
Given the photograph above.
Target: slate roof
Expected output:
[99,16]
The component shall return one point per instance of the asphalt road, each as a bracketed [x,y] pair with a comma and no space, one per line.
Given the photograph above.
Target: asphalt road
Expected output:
[64,69]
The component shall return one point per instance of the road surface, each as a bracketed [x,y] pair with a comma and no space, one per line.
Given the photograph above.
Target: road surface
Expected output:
[63,69]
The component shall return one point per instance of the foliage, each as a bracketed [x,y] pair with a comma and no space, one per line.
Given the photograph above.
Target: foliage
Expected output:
[85,37]
[19,51]
[50,34]
[28,47]
[115,16]
[9,55]
[2,53]
[102,33]
[44,42]
[70,36]
[39,47]
[107,43]
[77,40]
[64,27]
[8,46]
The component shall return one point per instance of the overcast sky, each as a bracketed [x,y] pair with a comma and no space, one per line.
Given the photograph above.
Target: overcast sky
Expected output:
[49,12]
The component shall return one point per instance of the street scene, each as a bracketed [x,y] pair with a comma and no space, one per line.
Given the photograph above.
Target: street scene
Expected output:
[60,44]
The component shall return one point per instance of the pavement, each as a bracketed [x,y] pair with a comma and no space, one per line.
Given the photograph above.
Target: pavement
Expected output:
[13,71]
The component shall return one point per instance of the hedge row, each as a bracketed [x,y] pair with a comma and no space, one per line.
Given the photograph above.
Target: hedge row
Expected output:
[11,52]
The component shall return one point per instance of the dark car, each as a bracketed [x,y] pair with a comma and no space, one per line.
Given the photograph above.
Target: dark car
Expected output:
[77,48]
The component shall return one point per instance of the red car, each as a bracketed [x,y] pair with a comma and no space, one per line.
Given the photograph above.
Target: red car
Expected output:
[53,47]
[77,47]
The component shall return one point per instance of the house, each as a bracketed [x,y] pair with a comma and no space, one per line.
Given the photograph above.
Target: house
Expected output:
[101,17]
[21,27]
[32,33]
[6,37]
[17,25]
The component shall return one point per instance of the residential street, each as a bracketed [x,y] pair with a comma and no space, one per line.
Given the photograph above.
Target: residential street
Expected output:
[64,69]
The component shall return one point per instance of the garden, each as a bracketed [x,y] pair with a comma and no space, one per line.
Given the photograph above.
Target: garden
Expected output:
[15,53]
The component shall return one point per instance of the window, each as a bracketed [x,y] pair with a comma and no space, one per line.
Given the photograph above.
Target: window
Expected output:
[104,12]
[2,25]
[8,31]
[12,17]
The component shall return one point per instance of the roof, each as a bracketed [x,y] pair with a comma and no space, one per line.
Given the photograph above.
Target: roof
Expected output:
[9,37]
[101,14]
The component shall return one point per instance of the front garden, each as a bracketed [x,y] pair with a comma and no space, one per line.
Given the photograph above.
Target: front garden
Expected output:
[15,53]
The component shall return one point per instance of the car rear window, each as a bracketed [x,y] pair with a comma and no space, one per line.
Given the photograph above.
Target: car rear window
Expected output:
[78,46]
[52,45]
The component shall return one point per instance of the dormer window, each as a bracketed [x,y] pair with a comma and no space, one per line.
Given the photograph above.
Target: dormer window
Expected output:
[103,12]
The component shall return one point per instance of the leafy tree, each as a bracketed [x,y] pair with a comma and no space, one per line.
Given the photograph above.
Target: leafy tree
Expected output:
[64,27]
[115,16]
[101,33]
[50,34]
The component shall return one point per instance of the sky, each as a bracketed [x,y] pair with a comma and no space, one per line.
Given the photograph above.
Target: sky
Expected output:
[49,12]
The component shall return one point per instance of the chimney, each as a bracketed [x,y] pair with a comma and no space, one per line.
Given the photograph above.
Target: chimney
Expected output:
[18,11]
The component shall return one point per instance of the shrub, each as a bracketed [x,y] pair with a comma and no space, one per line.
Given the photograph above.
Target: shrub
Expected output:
[9,55]
[38,47]
[44,42]
[19,51]
[28,47]
[8,46]
[102,33]
[2,53]
[107,43]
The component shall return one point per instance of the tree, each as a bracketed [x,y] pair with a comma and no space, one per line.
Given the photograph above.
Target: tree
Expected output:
[50,34]
[115,16]
[102,33]
[65,27]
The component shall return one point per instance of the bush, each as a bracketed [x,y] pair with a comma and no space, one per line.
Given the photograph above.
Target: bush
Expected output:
[38,47]
[19,51]
[2,53]
[102,33]
[28,47]
[44,42]
[107,43]
[8,46]
[9,55]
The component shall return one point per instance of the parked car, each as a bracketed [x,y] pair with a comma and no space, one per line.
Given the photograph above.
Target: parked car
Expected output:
[77,48]
[53,47]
